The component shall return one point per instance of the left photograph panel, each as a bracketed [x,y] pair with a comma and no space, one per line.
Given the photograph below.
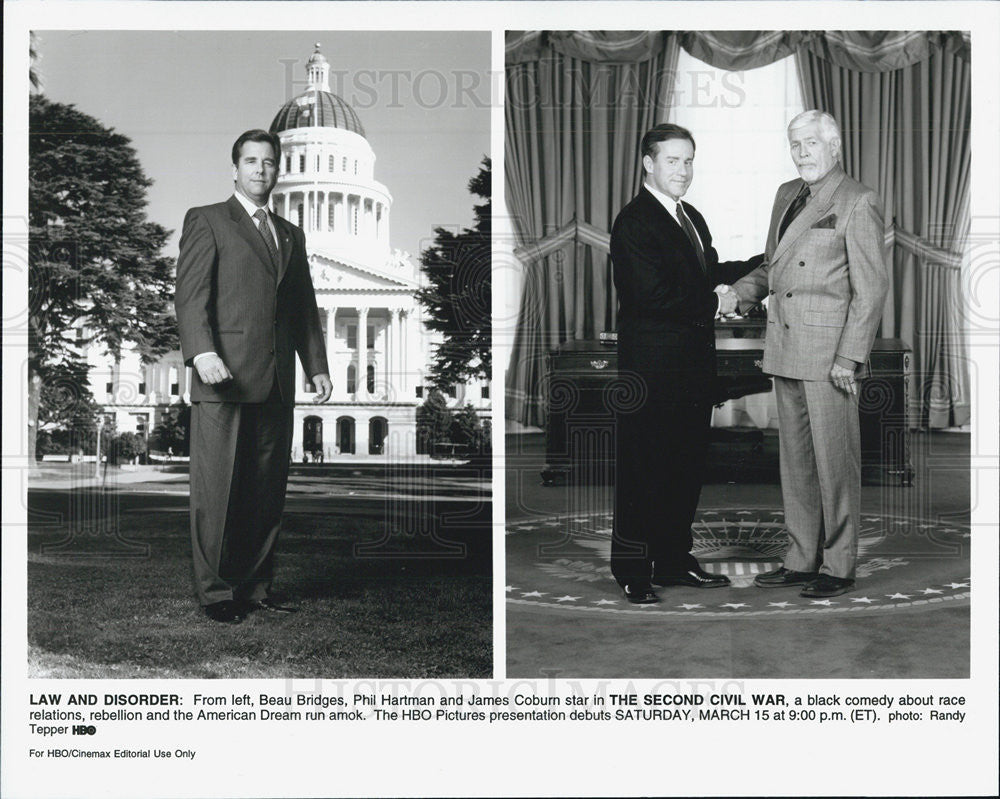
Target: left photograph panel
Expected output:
[259,414]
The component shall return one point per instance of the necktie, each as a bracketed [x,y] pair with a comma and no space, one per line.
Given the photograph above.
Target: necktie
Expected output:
[689,229]
[265,233]
[793,210]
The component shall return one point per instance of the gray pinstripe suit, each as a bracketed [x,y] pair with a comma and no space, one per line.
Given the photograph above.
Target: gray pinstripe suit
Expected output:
[232,299]
[827,280]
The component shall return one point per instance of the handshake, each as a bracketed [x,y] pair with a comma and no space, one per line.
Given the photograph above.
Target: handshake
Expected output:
[728,301]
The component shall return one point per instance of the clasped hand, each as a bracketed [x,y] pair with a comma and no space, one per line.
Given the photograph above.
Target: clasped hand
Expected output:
[728,300]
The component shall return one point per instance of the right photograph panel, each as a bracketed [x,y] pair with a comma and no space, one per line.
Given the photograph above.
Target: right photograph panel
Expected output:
[737,434]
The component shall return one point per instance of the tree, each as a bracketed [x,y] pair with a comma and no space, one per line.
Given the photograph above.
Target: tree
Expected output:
[467,429]
[458,296]
[34,78]
[128,447]
[79,439]
[65,402]
[433,422]
[173,433]
[94,258]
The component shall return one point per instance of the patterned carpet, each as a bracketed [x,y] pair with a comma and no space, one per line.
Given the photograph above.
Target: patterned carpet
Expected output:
[907,617]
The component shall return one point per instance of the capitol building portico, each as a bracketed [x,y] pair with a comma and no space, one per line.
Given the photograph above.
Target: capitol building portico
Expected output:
[377,345]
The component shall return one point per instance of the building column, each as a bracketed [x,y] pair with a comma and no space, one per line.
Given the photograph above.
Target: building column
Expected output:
[331,318]
[288,205]
[162,383]
[325,213]
[413,354]
[361,435]
[331,336]
[391,345]
[297,437]
[396,325]
[299,378]
[401,362]
[363,354]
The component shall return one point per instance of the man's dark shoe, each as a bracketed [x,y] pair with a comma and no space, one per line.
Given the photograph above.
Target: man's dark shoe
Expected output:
[271,606]
[695,577]
[228,611]
[826,585]
[782,577]
[640,594]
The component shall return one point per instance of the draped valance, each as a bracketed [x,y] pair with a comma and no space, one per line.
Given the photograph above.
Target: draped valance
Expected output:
[861,51]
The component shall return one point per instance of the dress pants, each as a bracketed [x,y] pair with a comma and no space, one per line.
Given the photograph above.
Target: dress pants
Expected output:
[820,455]
[239,472]
[659,469]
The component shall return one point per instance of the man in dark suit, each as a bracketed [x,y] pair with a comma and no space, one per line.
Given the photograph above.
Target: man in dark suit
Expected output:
[245,305]
[827,280]
[665,269]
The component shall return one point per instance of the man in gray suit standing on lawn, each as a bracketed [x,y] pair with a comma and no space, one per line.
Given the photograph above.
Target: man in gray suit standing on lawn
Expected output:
[826,279]
[245,306]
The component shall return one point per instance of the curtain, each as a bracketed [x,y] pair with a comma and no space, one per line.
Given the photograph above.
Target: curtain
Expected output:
[621,47]
[579,101]
[859,51]
[571,155]
[906,134]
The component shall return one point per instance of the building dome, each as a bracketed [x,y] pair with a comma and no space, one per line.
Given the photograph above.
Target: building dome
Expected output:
[317,107]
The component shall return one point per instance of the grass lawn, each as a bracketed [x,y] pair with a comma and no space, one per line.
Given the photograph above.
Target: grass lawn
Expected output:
[103,611]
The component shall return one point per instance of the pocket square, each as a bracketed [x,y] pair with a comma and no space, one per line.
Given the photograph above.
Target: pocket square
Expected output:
[827,222]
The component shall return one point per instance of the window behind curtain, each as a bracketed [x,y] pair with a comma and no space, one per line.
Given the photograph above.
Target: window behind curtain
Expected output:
[738,120]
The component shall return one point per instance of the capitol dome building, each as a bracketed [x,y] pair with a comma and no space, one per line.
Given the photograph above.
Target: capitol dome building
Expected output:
[377,345]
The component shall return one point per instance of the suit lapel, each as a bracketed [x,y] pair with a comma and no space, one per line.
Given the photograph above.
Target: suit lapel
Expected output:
[813,212]
[286,242]
[781,205]
[248,231]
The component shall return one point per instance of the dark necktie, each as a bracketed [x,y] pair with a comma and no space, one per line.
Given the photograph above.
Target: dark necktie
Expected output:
[265,233]
[689,229]
[793,210]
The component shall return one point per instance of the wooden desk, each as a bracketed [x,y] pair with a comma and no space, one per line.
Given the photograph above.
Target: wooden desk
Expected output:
[582,390]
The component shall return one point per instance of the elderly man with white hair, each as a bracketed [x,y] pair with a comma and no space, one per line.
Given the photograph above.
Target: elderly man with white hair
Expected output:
[826,280]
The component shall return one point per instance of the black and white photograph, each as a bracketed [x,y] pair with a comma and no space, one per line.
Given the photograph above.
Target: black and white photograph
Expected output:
[738,421]
[258,355]
[661,461]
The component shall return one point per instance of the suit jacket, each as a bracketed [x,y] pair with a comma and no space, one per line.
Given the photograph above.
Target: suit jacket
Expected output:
[666,301]
[827,279]
[231,300]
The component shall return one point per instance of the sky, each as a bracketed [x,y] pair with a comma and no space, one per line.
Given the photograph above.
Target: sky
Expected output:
[183,97]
